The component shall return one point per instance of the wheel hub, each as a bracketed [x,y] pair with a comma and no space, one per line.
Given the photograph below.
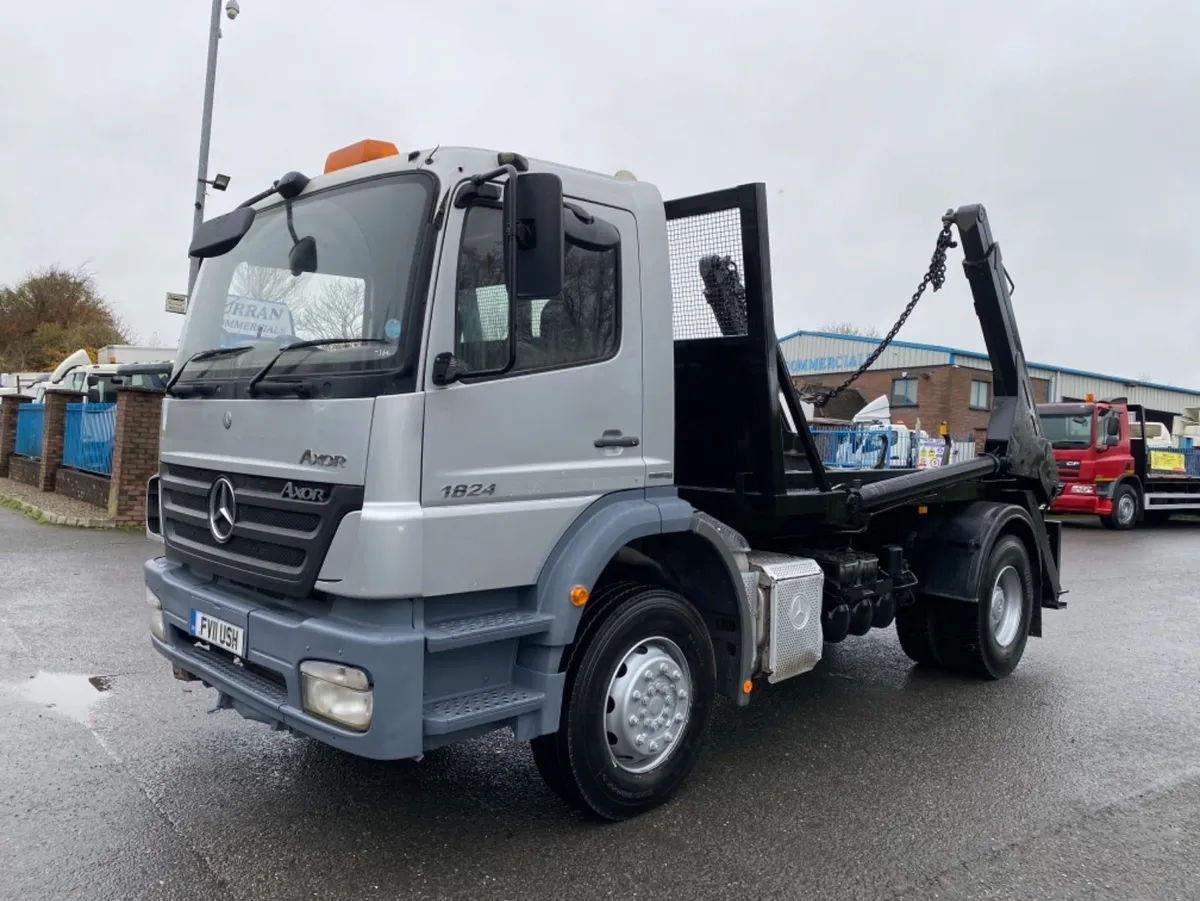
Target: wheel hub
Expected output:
[1125,508]
[1005,607]
[647,706]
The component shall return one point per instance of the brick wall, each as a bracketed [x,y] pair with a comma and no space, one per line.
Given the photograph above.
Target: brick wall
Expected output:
[8,430]
[24,470]
[943,395]
[135,453]
[83,486]
[53,425]
[932,396]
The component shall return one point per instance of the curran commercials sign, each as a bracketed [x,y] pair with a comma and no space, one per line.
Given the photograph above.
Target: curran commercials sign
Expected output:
[255,320]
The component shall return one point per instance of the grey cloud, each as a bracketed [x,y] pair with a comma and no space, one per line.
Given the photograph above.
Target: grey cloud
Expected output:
[1072,121]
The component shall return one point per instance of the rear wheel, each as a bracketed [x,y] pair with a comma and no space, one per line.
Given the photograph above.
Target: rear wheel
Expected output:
[640,684]
[986,638]
[1125,506]
[914,627]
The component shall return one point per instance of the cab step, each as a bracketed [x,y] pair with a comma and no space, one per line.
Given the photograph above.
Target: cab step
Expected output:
[480,708]
[451,634]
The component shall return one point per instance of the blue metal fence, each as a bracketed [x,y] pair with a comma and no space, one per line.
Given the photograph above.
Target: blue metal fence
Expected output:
[88,437]
[29,429]
[873,447]
[1174,460]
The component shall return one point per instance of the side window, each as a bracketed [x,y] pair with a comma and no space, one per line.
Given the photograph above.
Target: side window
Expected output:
[904,392]
[980,395]
[579,326]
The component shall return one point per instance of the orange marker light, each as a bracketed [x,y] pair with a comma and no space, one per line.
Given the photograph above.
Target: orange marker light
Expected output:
[579,595]
[362,152]
[747,687]
[922,510]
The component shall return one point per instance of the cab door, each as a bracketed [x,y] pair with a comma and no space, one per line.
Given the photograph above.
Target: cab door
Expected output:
[509,461]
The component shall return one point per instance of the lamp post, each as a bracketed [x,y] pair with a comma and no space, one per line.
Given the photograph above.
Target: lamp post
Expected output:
[232,9]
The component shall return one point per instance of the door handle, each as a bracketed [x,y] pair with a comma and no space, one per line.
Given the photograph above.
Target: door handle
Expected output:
[614,438]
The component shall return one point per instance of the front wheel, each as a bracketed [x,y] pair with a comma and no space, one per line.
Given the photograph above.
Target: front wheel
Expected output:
[1124,509]
[640,684]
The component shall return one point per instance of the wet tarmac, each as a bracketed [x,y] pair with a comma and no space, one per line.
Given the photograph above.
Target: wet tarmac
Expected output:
[1077,778]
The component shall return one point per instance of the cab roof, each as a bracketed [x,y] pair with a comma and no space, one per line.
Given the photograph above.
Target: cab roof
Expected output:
[372,159]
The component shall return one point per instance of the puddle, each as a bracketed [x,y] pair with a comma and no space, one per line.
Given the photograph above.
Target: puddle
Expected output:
[66,694]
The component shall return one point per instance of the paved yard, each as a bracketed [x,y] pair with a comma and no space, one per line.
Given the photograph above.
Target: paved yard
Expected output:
[1078,778]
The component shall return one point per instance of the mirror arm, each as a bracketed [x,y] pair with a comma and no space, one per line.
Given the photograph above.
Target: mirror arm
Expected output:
[261,195]
[509,170]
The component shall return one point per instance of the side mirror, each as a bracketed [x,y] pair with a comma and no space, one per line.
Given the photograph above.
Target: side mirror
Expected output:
[303,256]
[220,235]
[446,369]
[1113,427]
[534,245]
[1112,440]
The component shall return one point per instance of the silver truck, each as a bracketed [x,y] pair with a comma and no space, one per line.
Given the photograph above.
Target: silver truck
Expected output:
[524,454]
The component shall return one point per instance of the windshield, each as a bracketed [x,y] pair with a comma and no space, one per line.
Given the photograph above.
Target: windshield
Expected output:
[367,236]
[1067,430]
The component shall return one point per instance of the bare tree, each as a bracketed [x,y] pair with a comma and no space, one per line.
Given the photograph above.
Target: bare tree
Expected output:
[266,283]
[335,312]
[850,328]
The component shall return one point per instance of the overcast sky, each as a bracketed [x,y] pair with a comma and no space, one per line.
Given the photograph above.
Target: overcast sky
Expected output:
[1073,122]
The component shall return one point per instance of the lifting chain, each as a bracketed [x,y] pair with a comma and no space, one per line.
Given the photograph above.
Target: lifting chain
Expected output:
[936,276]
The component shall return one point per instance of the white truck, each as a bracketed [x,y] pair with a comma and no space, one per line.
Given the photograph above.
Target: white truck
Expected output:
[129,353]
[531,458]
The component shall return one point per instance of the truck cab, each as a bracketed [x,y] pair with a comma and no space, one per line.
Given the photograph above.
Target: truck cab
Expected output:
[1118,466]
[524,454]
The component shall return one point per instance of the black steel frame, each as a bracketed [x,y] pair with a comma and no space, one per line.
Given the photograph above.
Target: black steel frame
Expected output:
[731,456]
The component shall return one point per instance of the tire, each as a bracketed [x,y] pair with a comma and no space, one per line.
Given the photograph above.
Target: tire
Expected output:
[914,627]
[1125,509]
[967,638]
[592,762]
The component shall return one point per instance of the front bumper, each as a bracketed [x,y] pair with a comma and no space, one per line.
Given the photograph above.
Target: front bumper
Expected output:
[278,640]
[1081,504]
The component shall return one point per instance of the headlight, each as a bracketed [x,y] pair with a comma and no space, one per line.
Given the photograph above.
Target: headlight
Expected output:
[158,626]
[1083,489]
[340,694]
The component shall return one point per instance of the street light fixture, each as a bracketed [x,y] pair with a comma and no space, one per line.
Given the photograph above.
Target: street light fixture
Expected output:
[221,182]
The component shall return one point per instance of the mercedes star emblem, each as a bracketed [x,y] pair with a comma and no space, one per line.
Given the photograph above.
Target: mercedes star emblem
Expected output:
[222,509]
[227,419]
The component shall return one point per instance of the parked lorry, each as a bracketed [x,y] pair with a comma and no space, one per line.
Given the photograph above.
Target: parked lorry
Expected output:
[129,353]
[98,382]
[581,514]
[20,383]
[1117,466]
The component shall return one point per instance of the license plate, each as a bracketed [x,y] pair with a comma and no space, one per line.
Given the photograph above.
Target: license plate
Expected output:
[219,633]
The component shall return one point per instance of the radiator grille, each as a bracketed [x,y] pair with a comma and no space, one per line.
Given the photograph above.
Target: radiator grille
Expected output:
[278,543]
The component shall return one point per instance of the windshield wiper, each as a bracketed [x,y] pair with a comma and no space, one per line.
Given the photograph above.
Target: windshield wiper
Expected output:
[195,358]
[296,386]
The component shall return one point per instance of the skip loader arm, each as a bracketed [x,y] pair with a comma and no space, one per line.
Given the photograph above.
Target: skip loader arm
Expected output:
[1014,433]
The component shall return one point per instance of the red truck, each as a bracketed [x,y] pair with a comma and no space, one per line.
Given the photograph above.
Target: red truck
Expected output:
[1108,469]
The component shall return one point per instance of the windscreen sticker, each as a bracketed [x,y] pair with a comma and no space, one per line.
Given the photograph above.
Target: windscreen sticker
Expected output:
[255,320]
[391,328]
